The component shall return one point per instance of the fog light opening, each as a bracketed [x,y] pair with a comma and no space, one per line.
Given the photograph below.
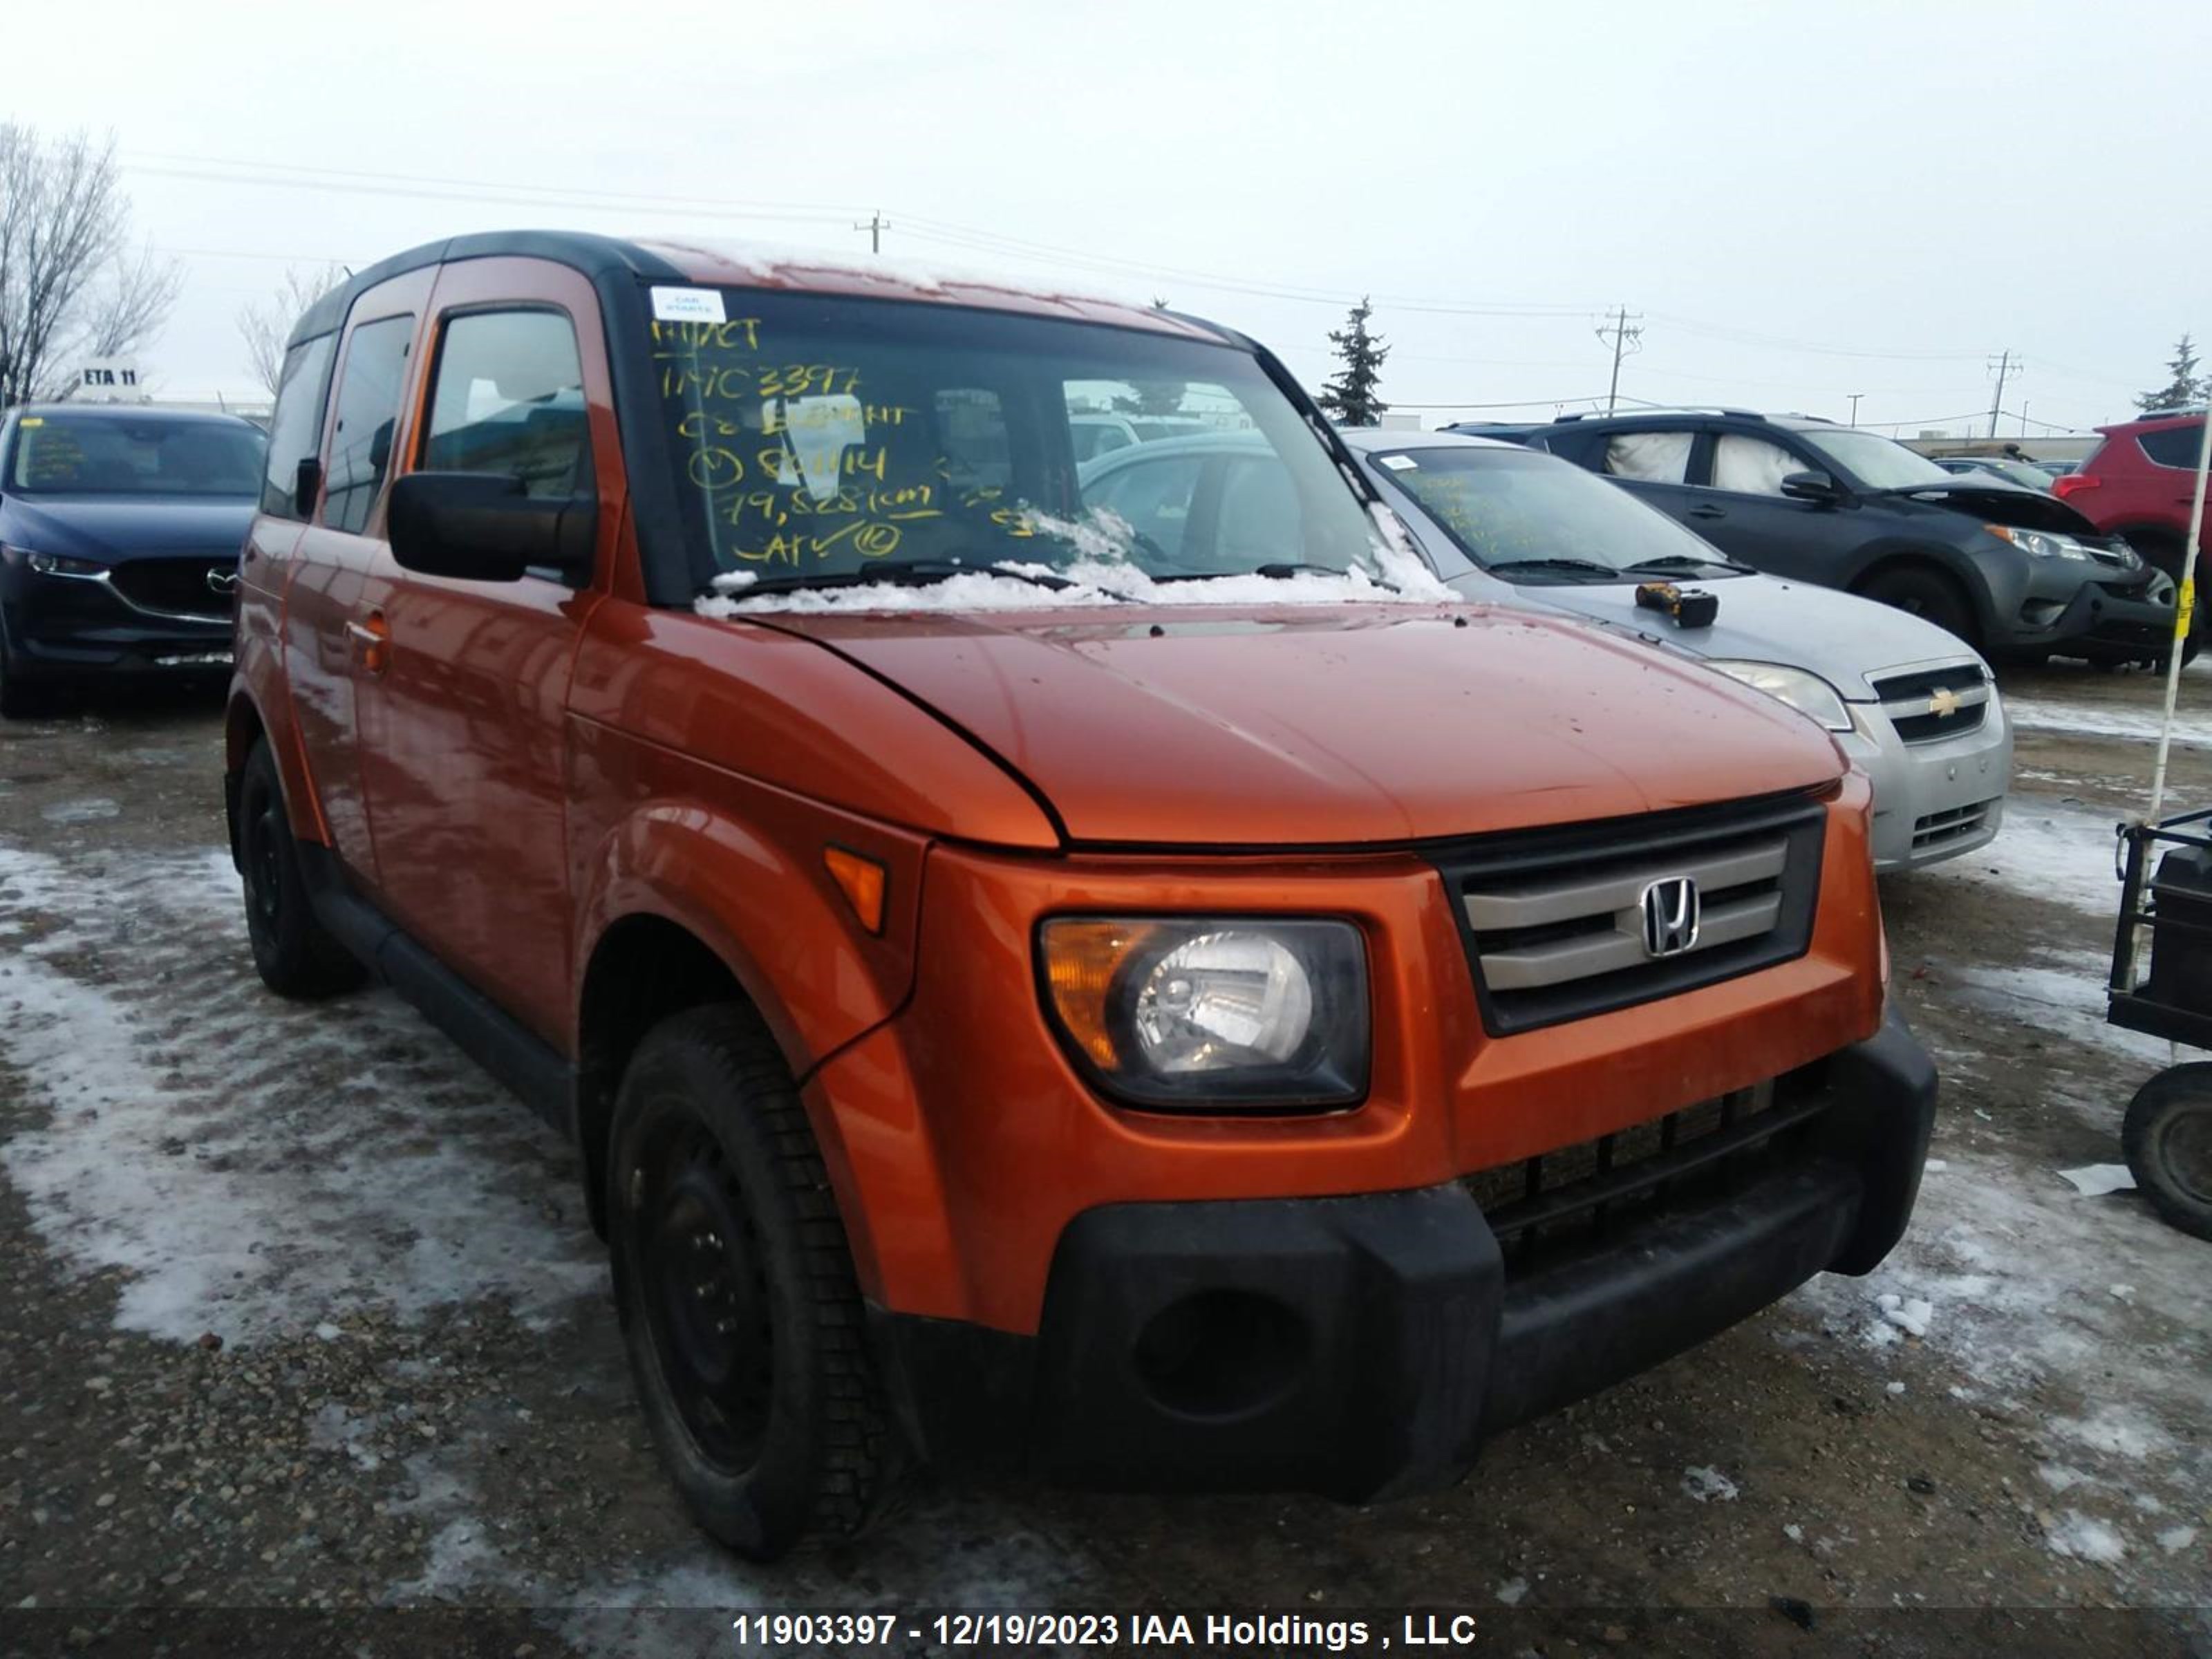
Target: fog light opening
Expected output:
[1220,1353]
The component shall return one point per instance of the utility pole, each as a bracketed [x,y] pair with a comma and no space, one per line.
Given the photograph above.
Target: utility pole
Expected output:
[2023,417]
[1855,398]
[876,226]
[2002,367]
[1624,338]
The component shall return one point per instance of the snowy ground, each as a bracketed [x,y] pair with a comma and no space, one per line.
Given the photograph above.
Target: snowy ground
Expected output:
[417,1398]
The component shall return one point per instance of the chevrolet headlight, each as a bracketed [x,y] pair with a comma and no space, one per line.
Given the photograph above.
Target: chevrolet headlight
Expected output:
[1807,693]
[2041,543]
[1212,1013]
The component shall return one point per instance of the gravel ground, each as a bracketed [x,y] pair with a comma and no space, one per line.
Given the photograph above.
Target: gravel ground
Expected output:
[304,1326]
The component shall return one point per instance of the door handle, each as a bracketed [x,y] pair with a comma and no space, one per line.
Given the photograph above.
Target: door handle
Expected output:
[371,642]
[1708,513]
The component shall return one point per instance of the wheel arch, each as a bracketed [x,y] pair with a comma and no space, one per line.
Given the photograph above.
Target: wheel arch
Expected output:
[1912,561]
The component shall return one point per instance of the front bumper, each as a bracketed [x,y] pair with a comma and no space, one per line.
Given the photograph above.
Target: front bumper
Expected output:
[1365,1346]
[2104,620]
[65,628]
[1932,800]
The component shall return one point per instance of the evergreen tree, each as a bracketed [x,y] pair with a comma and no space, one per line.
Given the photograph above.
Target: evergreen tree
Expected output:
[1351,398]
[2182,385]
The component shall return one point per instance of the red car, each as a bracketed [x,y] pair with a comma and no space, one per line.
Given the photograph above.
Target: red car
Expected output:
[2138,484]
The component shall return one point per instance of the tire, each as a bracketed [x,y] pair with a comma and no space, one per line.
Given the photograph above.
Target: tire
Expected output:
[19,698]
[735,1284]
[2167,1139]
[1929,594]
[293,952]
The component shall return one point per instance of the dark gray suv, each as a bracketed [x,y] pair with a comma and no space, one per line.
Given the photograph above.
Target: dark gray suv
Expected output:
[2014,572]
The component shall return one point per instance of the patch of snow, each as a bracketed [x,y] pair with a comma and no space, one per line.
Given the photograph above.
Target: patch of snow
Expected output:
[1911,1315]
[2061,854]
[2193,726]
[1512,1590]
[1794,1533]
[2118,1429]
[2066,999]
[81,811]
[2060,1477]
[2096,1180]
[2084,1537]
[1103,572]
[2174,1540]
[179,1146]
[1708,1484]
[1894,1388]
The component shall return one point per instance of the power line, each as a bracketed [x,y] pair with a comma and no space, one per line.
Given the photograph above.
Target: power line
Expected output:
[1624,337]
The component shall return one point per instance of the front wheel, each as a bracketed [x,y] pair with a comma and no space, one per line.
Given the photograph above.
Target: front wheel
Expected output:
[1929,594]
[740,1308]
[2168,1139]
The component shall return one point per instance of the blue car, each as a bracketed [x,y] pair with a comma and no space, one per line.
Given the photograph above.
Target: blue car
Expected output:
[120,528]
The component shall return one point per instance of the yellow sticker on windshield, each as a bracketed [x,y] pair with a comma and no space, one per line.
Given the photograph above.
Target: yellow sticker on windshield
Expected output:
[34,420]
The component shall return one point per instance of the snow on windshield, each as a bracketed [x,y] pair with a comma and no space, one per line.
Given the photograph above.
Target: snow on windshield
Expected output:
[1101,572]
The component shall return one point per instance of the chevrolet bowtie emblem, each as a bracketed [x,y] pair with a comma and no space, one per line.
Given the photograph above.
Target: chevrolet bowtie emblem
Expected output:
[1944,703]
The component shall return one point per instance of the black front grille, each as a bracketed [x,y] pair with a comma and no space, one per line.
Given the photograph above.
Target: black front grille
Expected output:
[1935,829]
[1936,704]
[1552,1206]
[1573,947]
[178,586]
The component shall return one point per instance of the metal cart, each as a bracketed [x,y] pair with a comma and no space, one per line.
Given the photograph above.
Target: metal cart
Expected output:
[2167,895]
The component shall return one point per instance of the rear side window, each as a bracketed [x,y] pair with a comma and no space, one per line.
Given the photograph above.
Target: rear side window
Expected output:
[368,410]
[1653,457]
[297,429]
[509,398]
[2176,445]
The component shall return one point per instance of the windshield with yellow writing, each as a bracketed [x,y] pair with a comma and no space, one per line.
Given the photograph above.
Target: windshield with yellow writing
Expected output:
[827,435]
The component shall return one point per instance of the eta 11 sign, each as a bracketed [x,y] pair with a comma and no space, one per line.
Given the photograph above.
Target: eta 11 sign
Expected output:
[113,379]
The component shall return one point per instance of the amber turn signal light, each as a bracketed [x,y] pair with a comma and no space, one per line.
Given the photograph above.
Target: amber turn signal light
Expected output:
[862,881]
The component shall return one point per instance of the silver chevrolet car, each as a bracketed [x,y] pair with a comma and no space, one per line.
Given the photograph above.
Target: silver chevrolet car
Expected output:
[1911,704]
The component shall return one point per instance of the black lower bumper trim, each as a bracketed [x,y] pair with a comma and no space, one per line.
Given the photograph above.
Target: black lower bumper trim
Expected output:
[1363,1348]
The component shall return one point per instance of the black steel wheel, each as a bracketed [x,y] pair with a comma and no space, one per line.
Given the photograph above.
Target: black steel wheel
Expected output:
[740,1308]
[296,956]
[2168,1139]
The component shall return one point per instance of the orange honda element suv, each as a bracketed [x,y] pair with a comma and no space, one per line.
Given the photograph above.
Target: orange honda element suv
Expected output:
[1118,977]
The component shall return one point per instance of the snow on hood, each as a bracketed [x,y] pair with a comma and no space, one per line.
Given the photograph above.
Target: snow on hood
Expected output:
[1103,573]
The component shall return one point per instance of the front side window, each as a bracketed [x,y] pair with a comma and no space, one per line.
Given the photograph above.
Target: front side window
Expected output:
[1535,518]
[1872,461]
[1752,466]
[295,430]
[115,453]
[368,410]
[828,436]
[1650,457]
[507,396]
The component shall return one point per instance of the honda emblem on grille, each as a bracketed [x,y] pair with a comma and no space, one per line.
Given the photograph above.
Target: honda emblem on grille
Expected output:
[1670,916]
[223,581]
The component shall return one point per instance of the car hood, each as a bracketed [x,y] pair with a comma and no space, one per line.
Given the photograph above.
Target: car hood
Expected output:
[1331,726]
[1848,641]
[1993,498]
[115,531]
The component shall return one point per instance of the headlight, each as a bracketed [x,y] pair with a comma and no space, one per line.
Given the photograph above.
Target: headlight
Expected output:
[1209,1013]
[2043,544]
[1807,693]
[57,564]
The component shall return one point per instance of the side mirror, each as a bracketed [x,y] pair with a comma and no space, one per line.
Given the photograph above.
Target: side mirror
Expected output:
[480,526]
[307,479]
[1815,487]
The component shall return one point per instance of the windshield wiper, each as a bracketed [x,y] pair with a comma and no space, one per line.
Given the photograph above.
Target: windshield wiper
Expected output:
[1611,573]
[1277,570]
[1686,561]
[900,573]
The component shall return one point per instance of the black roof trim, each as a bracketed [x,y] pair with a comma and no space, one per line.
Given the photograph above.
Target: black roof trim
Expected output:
[595,257]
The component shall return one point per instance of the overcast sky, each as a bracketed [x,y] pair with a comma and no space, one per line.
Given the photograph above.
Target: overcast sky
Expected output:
[1802,201]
